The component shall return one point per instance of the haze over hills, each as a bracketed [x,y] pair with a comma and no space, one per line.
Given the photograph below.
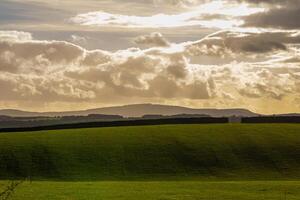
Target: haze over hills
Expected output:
[136,110]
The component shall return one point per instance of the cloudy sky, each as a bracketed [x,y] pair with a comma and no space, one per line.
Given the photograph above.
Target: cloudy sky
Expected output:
[77,54]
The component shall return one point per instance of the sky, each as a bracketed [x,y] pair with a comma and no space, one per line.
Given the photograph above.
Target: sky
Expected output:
[63,55]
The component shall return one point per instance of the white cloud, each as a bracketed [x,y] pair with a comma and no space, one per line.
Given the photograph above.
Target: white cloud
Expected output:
[77,39]
[154,39]
[15,35]
[57,70]
[195,17]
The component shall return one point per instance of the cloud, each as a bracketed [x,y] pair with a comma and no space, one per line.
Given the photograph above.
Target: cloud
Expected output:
[76,39]
[59,71]
[234,43]
[15,35]
[180,3]
[156,21]
[195,17]
[280,14]
[276,18]
[274,3]
[252,57]
[154,39]
[62,71]
[242,50]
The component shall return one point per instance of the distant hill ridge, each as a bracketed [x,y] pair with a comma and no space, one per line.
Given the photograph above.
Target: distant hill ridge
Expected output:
[135,110]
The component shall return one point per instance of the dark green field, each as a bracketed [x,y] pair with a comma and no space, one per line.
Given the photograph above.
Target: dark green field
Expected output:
[155,162]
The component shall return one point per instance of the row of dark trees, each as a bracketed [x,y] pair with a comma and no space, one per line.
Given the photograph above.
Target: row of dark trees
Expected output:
[44,125]
[271,119]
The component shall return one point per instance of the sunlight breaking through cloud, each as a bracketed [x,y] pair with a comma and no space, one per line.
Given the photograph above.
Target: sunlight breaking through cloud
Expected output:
[224,16]
[200,53]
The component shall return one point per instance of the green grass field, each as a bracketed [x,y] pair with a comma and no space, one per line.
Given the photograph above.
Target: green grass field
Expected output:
[230,161]
[162,190]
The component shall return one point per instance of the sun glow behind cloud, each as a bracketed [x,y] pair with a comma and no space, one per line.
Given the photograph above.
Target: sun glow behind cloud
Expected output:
[225,17]
[222,53]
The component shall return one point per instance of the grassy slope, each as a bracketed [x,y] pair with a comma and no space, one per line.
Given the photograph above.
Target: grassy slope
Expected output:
[154,152]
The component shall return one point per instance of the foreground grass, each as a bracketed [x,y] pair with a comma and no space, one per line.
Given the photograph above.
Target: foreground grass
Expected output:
[173,152]
[163,190]
[190,162]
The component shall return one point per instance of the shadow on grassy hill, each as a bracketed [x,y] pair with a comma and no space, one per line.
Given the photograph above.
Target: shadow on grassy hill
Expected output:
[196,152]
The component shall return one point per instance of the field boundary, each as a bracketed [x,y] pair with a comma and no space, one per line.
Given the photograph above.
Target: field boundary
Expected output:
[139,122]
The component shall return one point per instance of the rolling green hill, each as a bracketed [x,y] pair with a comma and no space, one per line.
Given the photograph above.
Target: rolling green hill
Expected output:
[197,152]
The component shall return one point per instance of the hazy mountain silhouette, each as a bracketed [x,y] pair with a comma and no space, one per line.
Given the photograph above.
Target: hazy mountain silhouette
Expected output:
[136,110]
[289,115]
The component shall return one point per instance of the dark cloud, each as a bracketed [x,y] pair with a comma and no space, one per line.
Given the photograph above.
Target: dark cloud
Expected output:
[29,12]
[286,18]
[279,14]
[272,2]
[227,42]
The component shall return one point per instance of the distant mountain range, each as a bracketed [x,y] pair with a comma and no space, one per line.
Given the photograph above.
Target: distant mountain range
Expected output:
[290,115]
[136,110]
